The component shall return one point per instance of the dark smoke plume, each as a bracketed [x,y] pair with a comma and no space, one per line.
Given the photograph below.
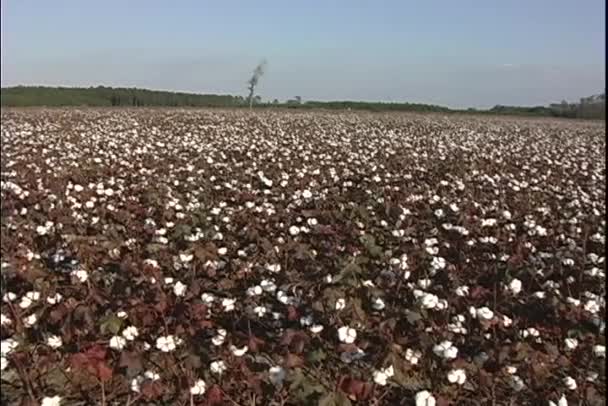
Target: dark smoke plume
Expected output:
[253,81]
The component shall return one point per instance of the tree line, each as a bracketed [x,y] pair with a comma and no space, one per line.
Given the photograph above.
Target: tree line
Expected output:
[23,96]
[108,96]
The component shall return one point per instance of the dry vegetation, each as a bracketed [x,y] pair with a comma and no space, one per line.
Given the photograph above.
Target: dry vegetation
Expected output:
[213,257]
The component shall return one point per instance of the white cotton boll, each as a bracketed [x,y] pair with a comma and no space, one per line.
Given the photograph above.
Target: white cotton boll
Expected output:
[5,320]
[515,286]
[185,258]
[228,304]
[429,301]
[438,263]
[340,304]
[446,350]
[136,384]
[268,285]
[571,343]
[462,291]
[570,383]
[283,298]
[306,320]
[412,356]
[130,333]
[260,311]
[274,268]
[378,304]
[368,283]
[51,401]
[425,283]
[254,290]
[457,376]
[238,352]
[81,275]
[207,298]
[381,376]
[398,233]
[219,338]
[316,328]
[347,335]
[218,367]
[30,321]
[222,251]
[530,332]
[7,346]
[599,351]
[488,222]
[592,306]
[294,230]
[442,304]
[28,299]
[3,363]
[561,402]
[516,383]
[425,398]
[179,289]
[166,344]
[276,375]
[54,341]
[151,375]
[198,388]
[484,313]
[432,250]
[118,343]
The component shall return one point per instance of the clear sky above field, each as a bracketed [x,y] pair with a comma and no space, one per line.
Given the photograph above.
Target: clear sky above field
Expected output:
[454,53]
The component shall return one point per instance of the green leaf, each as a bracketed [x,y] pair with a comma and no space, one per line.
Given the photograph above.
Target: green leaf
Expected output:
[110,324]
[335,399]
[304,389]
[349,274]
[357,308]
[369,242]
[413,317]
[317,355]
[409,380]
[153,248]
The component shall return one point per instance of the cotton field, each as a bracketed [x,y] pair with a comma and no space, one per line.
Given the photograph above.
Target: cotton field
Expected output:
[188,257]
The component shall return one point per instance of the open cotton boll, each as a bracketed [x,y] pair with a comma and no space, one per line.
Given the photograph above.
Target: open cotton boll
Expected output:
[198,388]
[381,376]
[457,376]
[561,402]
[51,401]
[277,375]
[347,335]
[424,398]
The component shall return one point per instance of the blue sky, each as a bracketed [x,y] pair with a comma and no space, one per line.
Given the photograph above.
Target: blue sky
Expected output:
[455,53]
